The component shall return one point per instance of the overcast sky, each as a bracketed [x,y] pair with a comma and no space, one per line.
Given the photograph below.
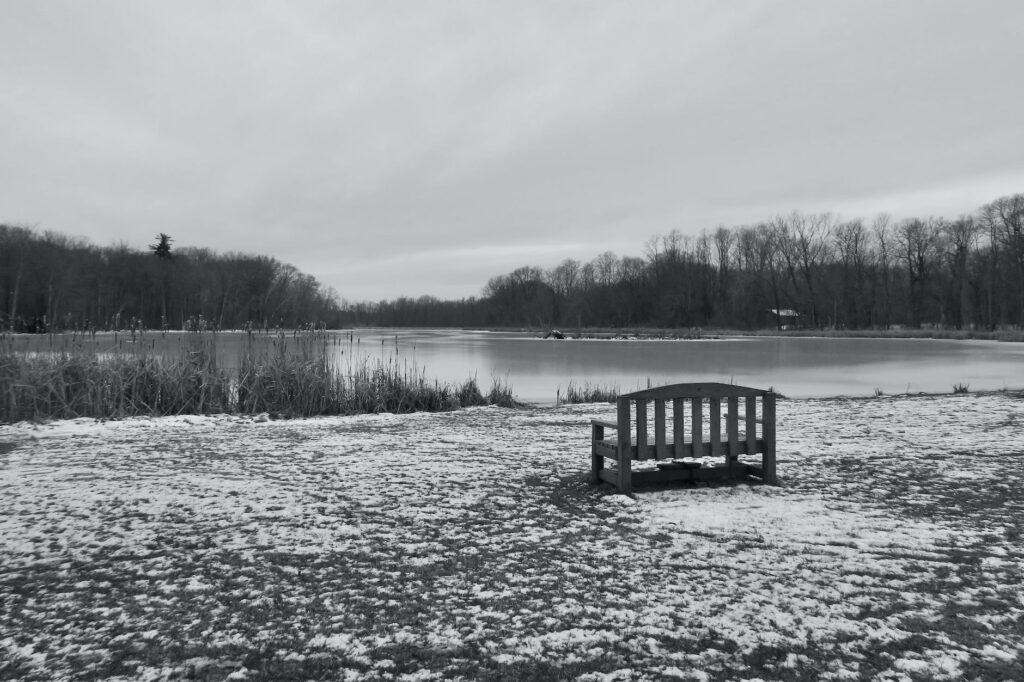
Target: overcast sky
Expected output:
[410,148]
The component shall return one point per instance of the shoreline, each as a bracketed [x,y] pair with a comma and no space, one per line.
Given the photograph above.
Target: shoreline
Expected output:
[591,333]
[520,408]
[653,334]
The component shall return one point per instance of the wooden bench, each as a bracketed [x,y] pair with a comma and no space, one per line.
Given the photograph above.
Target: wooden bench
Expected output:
[695,434]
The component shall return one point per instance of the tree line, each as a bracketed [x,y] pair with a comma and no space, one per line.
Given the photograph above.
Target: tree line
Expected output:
[51,282]
[960,273]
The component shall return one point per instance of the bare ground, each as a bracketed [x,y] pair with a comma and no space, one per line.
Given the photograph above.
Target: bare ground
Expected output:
[469,545]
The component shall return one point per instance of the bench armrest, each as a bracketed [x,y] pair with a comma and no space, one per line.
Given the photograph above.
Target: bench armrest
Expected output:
[601,422]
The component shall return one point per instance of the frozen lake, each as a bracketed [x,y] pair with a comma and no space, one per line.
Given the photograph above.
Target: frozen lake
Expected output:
[796,367]
[536,368]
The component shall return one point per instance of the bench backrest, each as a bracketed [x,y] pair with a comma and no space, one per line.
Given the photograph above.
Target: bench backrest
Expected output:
[693,435]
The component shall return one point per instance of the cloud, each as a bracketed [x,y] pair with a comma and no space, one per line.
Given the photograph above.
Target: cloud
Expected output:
[441,272]
[377,133]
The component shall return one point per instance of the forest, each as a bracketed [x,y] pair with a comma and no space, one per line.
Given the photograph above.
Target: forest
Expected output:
[963,273]
[819,271]
[56,283]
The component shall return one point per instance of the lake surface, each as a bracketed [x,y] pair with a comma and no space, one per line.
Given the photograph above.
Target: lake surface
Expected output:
[536,368]
[796,367]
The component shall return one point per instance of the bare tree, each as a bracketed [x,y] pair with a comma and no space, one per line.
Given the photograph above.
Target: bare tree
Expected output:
[882,230]
[918,242]
[802,240]
[564,278]
[852,245]
[1004,220]
[724,241]
[606,268]
[961,237]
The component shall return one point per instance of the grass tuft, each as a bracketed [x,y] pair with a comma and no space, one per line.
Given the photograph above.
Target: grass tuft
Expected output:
[501,394]
[588,393]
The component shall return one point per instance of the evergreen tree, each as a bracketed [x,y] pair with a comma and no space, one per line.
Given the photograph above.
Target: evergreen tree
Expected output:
[162,249]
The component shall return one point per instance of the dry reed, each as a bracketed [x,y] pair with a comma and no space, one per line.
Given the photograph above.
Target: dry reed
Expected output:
[286,377]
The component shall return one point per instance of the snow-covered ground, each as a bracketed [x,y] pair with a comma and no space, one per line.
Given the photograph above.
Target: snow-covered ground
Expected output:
[469,545]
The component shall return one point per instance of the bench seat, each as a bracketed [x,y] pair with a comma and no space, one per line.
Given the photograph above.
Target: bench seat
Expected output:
[610,448]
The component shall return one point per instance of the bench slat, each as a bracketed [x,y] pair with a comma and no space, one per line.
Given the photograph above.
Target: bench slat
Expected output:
[641,429]
[751,424]
[678,423]
[697,423]
[732,421]
[660,449]
[716,427]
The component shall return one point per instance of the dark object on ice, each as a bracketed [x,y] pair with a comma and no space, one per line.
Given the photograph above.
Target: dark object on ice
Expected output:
[687,402]
[554,333]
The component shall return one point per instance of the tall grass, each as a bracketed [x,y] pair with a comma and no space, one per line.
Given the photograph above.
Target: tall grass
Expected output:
[283,376]
[77,382]
[587,393]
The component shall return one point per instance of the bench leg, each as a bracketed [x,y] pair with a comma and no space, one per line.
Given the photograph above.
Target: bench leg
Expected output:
[625,476]
[768,467]
[596,465]
[625,468]
[596,460]
[768,460]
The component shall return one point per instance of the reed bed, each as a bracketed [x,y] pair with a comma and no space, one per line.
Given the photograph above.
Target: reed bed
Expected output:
[281,376]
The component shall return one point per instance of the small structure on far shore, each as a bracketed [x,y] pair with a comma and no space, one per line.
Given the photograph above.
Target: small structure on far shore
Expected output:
[786,318]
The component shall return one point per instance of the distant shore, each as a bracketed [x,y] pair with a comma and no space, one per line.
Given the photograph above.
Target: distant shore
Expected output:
[693,334]
[625,333]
